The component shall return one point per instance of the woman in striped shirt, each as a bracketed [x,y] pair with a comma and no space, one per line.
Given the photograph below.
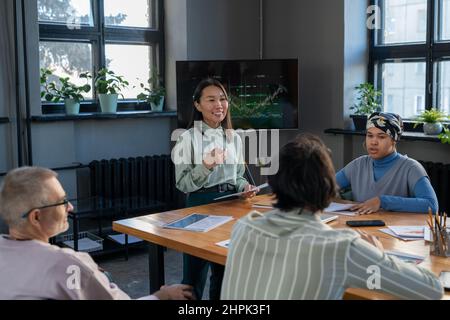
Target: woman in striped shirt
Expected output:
[288,253]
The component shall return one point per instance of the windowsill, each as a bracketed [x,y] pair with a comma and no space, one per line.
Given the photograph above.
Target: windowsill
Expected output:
[104,116]
[407,136]
[4,120]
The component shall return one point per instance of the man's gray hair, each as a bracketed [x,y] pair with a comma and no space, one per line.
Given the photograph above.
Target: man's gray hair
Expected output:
[23,189]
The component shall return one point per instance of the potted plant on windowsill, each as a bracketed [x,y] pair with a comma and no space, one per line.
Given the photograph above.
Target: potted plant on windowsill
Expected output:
[445,136]
[108,86]
[68,92]
[432,121]
[154,94]
[368,103]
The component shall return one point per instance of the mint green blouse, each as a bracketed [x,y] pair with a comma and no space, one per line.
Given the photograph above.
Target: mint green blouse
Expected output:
[193,145]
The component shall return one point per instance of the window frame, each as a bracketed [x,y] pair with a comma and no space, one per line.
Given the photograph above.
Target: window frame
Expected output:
[433,51]
[100,35]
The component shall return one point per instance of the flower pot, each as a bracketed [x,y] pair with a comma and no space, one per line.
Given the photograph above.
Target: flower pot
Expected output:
[157,107]
[432,128]
[360,122]
[72,106]
[108,102]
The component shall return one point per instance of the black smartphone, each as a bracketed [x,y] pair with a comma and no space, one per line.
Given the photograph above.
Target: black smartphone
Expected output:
[365,223]
[444,277]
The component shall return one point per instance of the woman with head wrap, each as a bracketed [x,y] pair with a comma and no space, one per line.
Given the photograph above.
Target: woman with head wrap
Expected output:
[385,179]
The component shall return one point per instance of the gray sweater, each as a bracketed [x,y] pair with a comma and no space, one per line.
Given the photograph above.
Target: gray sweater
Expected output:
[399,180]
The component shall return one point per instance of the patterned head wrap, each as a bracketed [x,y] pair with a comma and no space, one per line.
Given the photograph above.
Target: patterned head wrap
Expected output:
[390,123]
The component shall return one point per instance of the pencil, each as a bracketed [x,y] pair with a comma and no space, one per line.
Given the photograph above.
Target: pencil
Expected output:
[431,230]
[430,215]
[445,221]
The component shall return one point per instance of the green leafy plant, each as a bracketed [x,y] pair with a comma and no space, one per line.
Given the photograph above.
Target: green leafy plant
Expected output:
[51,92]
[430,116]
[154,92]
[445,136]
[107,82]
[368,99]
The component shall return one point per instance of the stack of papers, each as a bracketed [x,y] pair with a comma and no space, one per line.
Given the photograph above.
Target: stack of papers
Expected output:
[416,232]
[198,222]
[340,208]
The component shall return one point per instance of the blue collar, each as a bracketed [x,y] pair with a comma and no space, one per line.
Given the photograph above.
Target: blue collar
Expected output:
[386,160]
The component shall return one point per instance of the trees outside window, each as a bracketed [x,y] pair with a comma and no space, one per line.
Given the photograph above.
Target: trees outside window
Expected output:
[78,36]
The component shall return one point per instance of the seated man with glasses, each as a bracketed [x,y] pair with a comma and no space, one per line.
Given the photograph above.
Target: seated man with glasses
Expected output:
[34,206]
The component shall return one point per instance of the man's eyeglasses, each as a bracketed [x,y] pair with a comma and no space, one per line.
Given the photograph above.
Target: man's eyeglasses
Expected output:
[65,202]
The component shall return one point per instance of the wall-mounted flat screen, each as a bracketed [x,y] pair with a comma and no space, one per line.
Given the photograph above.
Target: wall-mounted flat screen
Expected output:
[263,93]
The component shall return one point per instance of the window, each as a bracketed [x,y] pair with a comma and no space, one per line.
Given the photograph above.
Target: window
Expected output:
[85,35]
[410,55]
[444,20]
[443,85]
[419,104]
[400,81]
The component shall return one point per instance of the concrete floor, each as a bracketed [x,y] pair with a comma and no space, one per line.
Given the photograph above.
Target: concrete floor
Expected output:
[132,275]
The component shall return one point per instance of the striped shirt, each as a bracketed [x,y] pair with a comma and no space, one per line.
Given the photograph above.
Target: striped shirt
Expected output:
[285,255]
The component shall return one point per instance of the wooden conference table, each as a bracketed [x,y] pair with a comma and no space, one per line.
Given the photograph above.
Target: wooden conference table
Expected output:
[203,245]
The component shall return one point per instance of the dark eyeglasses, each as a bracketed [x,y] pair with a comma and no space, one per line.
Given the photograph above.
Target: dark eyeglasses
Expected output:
[65,202]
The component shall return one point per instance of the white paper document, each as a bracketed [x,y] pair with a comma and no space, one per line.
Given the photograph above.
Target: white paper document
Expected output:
[393,234]
[326,217]
[406,257]
[261,187]
[224,243]
[261,206]
[409,231]
[340,208]
[198,222]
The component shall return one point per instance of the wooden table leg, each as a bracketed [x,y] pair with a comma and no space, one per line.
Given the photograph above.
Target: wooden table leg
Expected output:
[156,266]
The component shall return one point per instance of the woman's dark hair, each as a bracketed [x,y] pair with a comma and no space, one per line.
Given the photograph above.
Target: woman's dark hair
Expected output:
[197,115]
[306,176]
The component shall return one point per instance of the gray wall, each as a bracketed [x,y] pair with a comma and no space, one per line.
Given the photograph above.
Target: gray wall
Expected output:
[313,32]
[175,44]
[222,29]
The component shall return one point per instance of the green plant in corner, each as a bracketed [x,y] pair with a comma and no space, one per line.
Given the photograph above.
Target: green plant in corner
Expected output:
[368,100]
[51,92]
[107,82]
[155,90]
[445,136]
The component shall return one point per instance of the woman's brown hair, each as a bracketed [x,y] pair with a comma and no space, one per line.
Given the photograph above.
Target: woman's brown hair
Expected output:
[306,176]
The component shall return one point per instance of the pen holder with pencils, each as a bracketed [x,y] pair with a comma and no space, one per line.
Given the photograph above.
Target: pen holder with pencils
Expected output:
[440,245]
[440,235]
